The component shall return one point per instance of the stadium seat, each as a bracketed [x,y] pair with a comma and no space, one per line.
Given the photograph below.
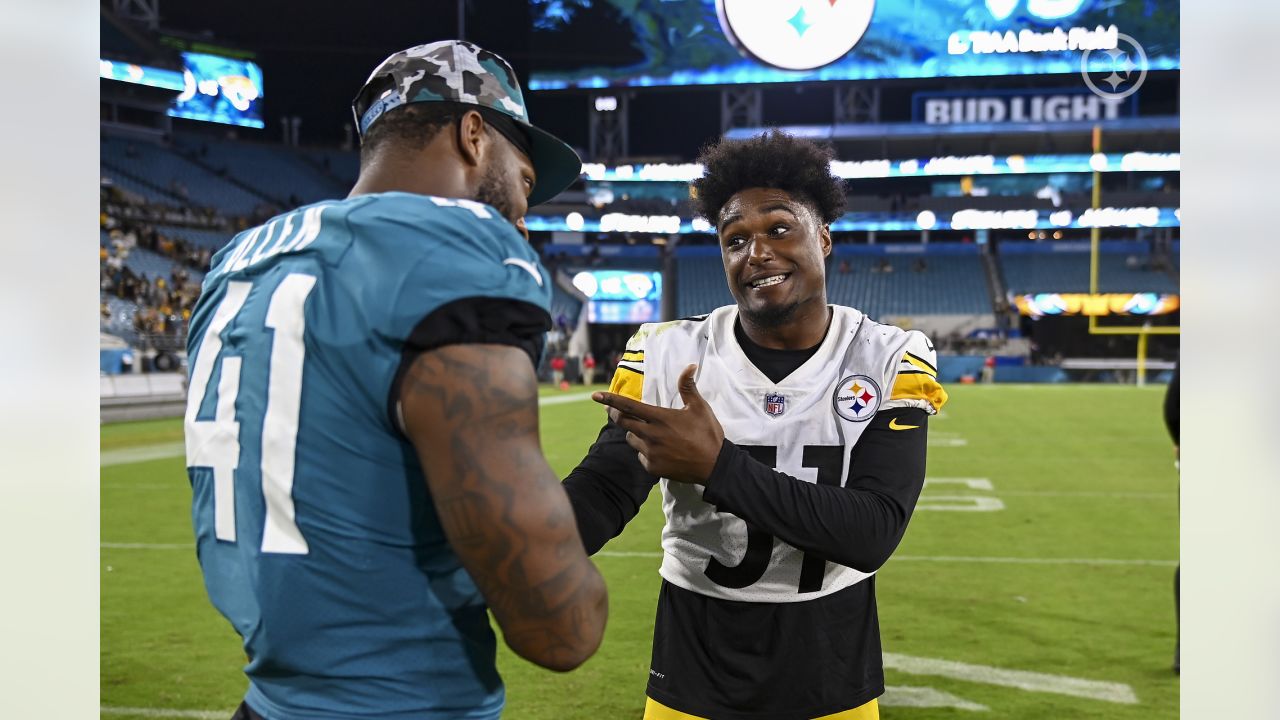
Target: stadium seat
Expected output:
[275,171]
[162,168]
[212,239]
[1069,272]
[950,285]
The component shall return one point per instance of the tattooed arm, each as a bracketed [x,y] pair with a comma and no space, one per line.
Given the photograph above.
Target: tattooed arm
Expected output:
[471,412]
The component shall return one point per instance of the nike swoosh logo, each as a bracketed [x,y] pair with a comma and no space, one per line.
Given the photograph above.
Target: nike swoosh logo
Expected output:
[527,266]
[893,425]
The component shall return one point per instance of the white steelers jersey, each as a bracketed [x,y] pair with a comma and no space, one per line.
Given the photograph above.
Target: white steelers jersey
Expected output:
[805,426]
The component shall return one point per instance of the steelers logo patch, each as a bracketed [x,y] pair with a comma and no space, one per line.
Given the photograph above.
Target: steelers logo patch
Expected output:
[856,398]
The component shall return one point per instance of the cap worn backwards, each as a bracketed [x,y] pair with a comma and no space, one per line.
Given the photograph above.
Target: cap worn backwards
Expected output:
[456,71]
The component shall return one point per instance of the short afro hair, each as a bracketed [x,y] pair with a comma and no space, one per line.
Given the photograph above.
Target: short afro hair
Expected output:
[771,160]
[410,126]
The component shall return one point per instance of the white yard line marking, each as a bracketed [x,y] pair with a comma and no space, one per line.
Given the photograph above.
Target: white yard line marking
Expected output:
[142,453]
[973,483]
[959,503]
[1034,561]
[935,441]
[562,399]
[145,453]
[925,697]
[1086,493]
[1020,679]
[165,713]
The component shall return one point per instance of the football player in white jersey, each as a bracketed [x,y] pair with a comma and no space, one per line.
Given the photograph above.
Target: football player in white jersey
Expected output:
[788,437]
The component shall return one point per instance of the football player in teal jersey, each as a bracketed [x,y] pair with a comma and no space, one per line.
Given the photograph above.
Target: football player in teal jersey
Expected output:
[362,427]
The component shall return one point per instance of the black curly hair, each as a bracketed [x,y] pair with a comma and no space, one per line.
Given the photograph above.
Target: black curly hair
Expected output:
[773,160]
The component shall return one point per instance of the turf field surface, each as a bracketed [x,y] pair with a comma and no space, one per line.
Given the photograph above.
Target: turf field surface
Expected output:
[1035,580]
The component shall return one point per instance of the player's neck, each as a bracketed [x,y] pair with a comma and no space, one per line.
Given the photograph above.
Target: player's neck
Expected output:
[806,328]
[390,172]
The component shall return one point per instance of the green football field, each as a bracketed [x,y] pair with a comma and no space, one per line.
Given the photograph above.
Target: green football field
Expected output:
[1035,580]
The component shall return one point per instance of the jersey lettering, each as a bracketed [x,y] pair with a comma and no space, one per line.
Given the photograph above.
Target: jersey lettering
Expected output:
[216,444]
[755,561]
[759,543]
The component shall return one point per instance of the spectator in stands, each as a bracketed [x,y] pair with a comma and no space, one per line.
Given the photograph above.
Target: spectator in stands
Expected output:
[588,369]
[844,268]
[920,265]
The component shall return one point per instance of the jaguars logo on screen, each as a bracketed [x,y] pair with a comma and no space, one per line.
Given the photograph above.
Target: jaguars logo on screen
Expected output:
[795,34]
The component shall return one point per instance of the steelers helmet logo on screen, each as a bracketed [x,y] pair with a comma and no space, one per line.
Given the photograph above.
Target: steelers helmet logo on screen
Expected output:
[795,34]
[856,398]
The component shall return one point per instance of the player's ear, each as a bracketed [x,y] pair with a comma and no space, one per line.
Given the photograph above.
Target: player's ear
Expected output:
[824,238]
[472,139]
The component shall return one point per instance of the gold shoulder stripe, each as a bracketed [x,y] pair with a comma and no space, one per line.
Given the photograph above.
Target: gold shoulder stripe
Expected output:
[627,383]
[918,363]
[919,386]
[633,355]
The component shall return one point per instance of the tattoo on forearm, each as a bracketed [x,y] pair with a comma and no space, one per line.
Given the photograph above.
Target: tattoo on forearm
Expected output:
[485,426]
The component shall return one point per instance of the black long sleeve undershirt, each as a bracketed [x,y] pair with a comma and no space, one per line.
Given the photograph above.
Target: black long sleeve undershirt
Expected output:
[607,488]
[858,525]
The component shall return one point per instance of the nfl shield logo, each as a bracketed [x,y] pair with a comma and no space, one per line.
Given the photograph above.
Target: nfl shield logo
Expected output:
[775,404]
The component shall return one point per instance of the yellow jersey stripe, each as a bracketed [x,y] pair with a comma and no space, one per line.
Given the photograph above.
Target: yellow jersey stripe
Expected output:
[919,386]
[633,355]
[866,711]
[627,383]
[654,710]
[919,364]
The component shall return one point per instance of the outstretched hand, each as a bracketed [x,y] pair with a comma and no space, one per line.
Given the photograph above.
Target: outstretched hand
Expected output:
[680,445]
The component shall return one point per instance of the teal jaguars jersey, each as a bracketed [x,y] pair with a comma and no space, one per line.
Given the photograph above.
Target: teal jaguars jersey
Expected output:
[314,527]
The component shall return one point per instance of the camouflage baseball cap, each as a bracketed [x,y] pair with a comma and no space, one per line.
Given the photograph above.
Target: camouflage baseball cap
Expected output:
[457,71]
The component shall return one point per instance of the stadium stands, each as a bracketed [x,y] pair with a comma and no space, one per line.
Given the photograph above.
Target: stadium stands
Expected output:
[700,285]
[119,318]
[1064,267]
[342,165]
[275,172]
[148,264]
[946,285]
[212,239]
[166,171]
[142,190]
[153,265]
